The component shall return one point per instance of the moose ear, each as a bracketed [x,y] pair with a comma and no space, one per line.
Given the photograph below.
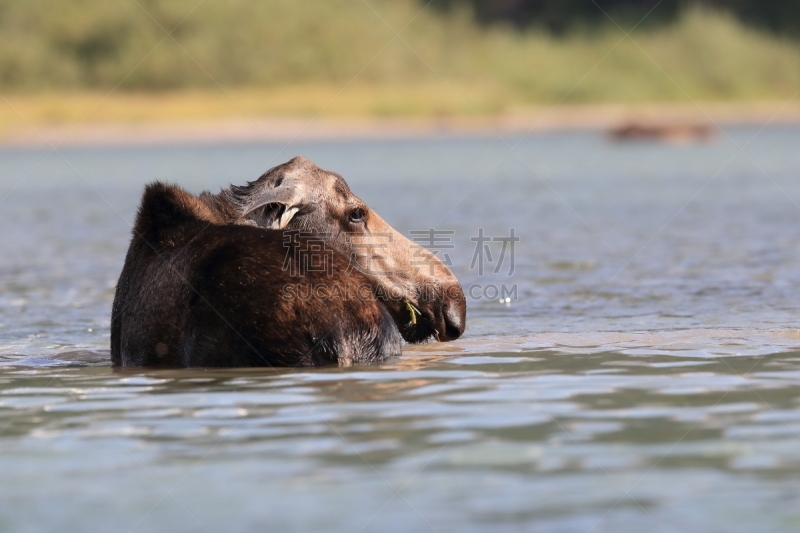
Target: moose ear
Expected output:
[274,207]
[270,216]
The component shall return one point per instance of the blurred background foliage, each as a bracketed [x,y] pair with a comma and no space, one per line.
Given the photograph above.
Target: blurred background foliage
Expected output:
[498,53]
[560,16]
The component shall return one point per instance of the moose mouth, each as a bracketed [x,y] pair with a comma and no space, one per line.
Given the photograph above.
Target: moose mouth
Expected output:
[414,325]
[418,323]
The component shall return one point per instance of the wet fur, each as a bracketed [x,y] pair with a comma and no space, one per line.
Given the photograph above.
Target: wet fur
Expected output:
[198,291]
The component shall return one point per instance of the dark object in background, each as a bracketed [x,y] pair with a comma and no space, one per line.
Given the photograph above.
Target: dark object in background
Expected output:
[559,16]
[780,16]
[678,133]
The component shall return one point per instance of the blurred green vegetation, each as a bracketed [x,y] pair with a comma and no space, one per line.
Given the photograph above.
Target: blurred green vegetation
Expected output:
[56,46]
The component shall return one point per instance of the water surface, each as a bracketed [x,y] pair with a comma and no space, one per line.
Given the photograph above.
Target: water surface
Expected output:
[645,375]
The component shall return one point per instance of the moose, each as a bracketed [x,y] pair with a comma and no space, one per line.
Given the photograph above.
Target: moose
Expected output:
[224,280]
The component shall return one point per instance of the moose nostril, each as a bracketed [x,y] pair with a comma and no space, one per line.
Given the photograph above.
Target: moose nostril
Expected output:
[453,332]
[454,319]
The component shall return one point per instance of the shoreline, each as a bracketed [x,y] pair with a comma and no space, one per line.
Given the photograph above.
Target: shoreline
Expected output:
[249,129]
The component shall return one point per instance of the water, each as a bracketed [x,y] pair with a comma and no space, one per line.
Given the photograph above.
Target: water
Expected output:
[645,376]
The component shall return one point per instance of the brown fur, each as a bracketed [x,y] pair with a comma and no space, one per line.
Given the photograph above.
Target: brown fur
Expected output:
[194,292]
[202,278]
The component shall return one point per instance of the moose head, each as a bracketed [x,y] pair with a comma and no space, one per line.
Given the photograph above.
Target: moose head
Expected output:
[423,296]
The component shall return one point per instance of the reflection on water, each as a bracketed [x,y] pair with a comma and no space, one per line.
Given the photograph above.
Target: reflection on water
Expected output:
[479,441]
[646,377]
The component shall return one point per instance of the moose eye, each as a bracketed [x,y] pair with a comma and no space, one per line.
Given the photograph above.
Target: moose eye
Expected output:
[357,215]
